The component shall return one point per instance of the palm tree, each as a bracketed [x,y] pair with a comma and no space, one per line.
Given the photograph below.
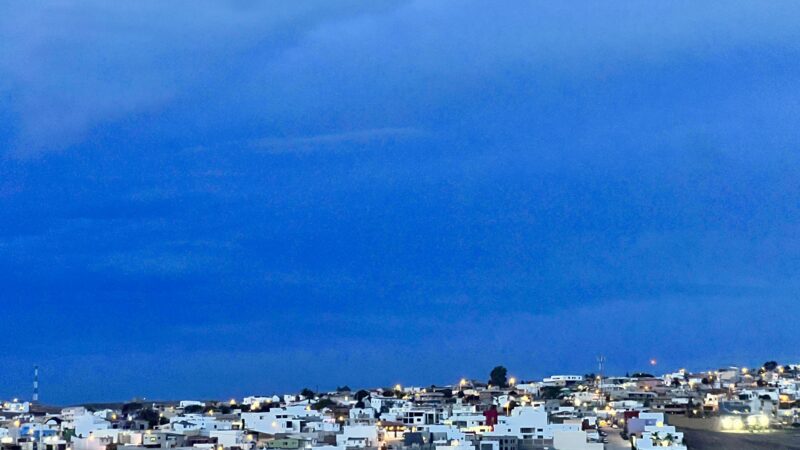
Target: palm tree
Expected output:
[654,437]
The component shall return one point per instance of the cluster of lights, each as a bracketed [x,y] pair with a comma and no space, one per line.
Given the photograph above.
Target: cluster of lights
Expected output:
[761,421]
[734,423]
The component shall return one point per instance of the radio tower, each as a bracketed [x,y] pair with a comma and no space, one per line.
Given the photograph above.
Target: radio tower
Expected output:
[35,384]
[601,362]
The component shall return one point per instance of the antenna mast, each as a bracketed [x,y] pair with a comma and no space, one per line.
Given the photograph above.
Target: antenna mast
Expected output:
[35,384]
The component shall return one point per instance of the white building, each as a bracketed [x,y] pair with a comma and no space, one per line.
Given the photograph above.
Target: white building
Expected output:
[562,380]
[88,423]
[288,419]
[16,407]
[192,422]
[358,436]
[526,422]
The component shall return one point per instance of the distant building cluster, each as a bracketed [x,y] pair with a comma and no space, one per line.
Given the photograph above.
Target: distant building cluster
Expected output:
[561,412]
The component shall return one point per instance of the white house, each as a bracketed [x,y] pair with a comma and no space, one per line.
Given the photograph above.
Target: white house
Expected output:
[89,423]
[229,438]
[189,422]
[562,380]
[90,443]
[288,419]
[358,436]
[16,407]
[526,422]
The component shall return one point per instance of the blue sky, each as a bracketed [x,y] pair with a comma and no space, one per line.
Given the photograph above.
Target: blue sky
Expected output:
[201,199]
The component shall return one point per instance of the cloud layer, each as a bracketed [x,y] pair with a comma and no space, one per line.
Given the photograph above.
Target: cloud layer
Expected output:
[426,188]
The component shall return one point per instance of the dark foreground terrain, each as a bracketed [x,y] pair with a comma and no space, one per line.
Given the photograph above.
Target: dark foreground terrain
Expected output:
[710,440]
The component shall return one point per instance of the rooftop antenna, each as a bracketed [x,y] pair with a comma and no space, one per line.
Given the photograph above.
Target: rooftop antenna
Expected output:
[35,384]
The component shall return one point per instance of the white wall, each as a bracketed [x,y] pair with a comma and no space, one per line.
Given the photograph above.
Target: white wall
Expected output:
[370,432]
[573,440]
[88,423]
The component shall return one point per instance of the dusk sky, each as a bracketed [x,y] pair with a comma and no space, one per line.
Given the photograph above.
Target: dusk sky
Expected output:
[205,199]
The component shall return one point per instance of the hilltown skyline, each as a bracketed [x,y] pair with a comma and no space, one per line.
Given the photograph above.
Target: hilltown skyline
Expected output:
[754,408]
[651,370]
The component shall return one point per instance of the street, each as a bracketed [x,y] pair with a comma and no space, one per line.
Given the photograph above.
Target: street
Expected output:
[615,442]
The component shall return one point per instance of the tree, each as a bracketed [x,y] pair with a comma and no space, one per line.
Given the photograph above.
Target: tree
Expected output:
[388,392]
[128,408]
[472,399]
[307,393]
[551,392]
[344,388]
[498,377]
[193,409]
[361,395]
[770,365]
[676,382]
[322,404]
[152,417]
